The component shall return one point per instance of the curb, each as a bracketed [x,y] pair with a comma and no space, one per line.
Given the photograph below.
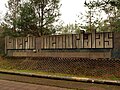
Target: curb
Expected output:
[56,77]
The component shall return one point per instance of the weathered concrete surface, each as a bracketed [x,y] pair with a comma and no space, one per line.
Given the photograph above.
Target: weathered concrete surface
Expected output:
[80,54]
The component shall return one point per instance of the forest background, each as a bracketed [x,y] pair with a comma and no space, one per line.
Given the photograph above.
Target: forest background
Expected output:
[42,17]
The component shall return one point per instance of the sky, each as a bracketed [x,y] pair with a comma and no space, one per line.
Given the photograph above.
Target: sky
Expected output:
[70,9]
[3,9]
[2,6]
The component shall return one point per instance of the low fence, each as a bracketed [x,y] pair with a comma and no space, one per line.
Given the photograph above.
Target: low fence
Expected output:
[106,68]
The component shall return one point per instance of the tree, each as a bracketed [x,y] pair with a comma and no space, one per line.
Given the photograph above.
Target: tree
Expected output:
[47,12]
[34,17]
[70,29]
[27,21]
[93,16]
[112,10]
[11,15]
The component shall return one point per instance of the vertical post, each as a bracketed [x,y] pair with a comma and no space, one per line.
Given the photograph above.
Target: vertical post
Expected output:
[82,38]
[94,39]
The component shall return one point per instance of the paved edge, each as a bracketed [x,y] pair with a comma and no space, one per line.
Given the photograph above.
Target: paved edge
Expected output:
[69,78]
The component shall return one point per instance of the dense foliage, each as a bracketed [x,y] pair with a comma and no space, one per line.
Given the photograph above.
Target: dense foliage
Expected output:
[38,17]
[35,17]
[112,10]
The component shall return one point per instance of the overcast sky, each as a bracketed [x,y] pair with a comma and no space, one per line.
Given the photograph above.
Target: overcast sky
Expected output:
[2,6]
[69,9]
